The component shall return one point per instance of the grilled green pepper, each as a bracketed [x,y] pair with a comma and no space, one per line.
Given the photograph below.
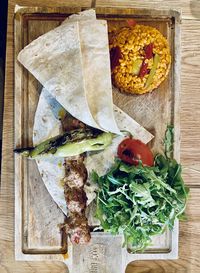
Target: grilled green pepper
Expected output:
[156,60]
[69,144]
[136,66]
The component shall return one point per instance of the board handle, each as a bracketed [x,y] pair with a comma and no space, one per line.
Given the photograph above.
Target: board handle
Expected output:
[103,254]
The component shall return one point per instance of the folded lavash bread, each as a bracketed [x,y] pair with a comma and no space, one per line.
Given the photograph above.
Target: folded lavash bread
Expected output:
[57,59]
[89,14]
[96,64]
[97,74]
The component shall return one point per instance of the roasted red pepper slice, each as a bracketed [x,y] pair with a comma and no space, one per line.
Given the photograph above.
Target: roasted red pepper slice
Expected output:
[148,55]
[148,51]
[143,70]
[115,56]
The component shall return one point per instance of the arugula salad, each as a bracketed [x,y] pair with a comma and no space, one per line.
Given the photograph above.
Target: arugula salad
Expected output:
[140,200]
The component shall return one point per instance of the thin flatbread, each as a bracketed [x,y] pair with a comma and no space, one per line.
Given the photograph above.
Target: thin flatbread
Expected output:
[55,61]
[51,169]
[89,14]
[97,74]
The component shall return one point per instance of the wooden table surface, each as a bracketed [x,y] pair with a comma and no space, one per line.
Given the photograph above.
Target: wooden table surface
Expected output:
[189,249]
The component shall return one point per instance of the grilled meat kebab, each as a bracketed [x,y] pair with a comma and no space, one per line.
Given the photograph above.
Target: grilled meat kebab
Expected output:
[77,225]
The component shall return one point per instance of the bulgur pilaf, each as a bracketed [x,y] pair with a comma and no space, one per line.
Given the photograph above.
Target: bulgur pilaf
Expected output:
[132,43]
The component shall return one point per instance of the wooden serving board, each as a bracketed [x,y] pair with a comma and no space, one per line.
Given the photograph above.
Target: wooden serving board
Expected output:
[37,235]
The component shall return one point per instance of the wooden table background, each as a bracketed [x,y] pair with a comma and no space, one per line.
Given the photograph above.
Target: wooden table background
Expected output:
[189,250]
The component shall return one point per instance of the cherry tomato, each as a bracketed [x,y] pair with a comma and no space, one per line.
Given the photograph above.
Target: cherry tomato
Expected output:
[133,150]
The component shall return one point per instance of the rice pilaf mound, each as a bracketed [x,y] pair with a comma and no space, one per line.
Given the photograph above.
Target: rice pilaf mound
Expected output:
[138,71]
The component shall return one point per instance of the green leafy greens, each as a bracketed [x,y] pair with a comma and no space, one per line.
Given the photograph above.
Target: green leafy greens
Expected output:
[141,201]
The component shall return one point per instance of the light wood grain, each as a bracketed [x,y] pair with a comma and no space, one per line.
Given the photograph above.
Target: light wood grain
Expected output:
[190,9]
[190,98]
[190,148]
